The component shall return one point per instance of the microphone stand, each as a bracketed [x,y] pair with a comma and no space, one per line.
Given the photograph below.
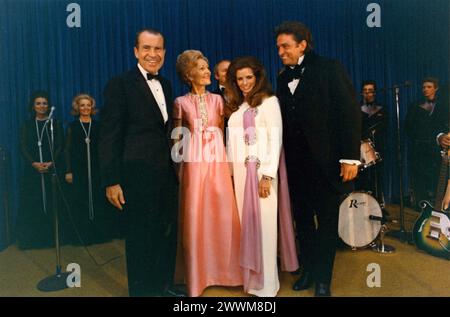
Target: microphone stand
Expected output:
[401,234]
[57,281]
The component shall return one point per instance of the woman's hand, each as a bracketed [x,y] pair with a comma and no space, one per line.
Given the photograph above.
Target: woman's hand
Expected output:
[264,187]
[69,178]
[40,167]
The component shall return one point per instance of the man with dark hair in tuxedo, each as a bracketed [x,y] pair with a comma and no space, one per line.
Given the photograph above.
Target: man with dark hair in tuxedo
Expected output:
[426,126]
[321,137]
[220,74]
[137,169]
[374,124]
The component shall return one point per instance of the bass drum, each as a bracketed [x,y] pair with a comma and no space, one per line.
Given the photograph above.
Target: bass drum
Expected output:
[360,219]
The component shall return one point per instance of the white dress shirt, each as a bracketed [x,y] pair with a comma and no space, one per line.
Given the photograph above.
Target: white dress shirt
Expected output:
[294,83]
[157,91]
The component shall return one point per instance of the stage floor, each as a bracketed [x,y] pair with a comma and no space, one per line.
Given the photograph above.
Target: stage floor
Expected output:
[407,272]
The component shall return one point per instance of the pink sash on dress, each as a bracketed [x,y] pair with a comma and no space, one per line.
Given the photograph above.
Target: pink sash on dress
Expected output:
[251,259]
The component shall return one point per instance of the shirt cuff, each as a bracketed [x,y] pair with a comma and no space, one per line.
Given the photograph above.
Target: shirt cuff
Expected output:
[351,162]
[437,138]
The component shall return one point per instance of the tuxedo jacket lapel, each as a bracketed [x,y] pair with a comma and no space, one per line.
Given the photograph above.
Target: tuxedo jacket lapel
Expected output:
[145,89]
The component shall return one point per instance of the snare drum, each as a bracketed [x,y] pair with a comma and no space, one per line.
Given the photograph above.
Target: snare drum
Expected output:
[359,219]
[369,156]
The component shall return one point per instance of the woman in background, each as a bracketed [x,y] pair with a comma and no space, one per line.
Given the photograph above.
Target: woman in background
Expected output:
[35,225]
[93,219]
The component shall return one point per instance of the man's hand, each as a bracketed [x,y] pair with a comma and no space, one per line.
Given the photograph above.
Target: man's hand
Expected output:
[444,140]
[348,172]
[115,196]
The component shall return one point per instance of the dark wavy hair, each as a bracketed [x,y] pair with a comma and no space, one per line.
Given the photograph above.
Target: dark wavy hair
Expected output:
[151,31]
[298,30]
[234,95]
[38,94]
[433,80]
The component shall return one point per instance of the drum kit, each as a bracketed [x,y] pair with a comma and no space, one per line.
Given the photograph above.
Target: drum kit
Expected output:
[361,220]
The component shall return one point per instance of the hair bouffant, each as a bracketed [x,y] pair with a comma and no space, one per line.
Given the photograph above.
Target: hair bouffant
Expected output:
[37,94]
[187,61]
[76,107]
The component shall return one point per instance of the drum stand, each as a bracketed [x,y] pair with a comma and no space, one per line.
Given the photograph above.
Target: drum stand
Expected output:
[378,245]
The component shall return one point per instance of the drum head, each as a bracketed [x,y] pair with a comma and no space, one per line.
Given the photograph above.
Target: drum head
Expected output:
[355,227]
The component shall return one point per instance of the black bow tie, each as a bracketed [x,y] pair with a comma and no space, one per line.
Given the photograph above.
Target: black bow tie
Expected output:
[295,73]
[151,76]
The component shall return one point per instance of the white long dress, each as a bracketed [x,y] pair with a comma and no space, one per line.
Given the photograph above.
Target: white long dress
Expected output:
[267,148]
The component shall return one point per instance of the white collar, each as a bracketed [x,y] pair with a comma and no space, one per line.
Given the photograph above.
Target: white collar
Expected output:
[143,71]
[300,60]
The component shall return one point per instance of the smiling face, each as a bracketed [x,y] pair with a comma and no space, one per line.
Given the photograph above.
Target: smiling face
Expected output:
[289,49]
[41,107]
[246,80]
[85,107]
[200,75]
[150,52]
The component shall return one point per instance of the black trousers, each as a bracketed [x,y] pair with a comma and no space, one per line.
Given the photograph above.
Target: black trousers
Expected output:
[312,195]
[151,213]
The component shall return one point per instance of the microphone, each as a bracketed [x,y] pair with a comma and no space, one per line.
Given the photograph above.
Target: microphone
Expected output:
[406,84]
[50,116]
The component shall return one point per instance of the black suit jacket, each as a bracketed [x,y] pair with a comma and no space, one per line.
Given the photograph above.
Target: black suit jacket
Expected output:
[322,115]
[133,129]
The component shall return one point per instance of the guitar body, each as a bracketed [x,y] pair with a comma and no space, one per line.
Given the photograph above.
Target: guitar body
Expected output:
[431,231]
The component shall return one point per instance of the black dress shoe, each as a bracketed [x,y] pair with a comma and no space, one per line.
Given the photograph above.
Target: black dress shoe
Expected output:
[174,293]
[322,290]
[303,282]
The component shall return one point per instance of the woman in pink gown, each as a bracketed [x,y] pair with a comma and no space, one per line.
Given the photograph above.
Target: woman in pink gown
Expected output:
[210,231]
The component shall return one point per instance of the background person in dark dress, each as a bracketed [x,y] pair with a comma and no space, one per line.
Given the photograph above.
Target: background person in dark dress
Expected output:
[98,224]
[35,224]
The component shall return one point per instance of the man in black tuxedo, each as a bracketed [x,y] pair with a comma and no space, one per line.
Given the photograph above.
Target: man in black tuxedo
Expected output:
[321,135]
[426,126]
[374,124]
[137,169]
[220,74]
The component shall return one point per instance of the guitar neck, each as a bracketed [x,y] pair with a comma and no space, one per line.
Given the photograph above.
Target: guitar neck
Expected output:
[444,176]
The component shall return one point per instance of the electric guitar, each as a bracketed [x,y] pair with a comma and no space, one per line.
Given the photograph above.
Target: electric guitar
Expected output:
[431,231]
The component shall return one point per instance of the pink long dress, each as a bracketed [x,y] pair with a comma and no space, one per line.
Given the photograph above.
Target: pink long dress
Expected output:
[209,220]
